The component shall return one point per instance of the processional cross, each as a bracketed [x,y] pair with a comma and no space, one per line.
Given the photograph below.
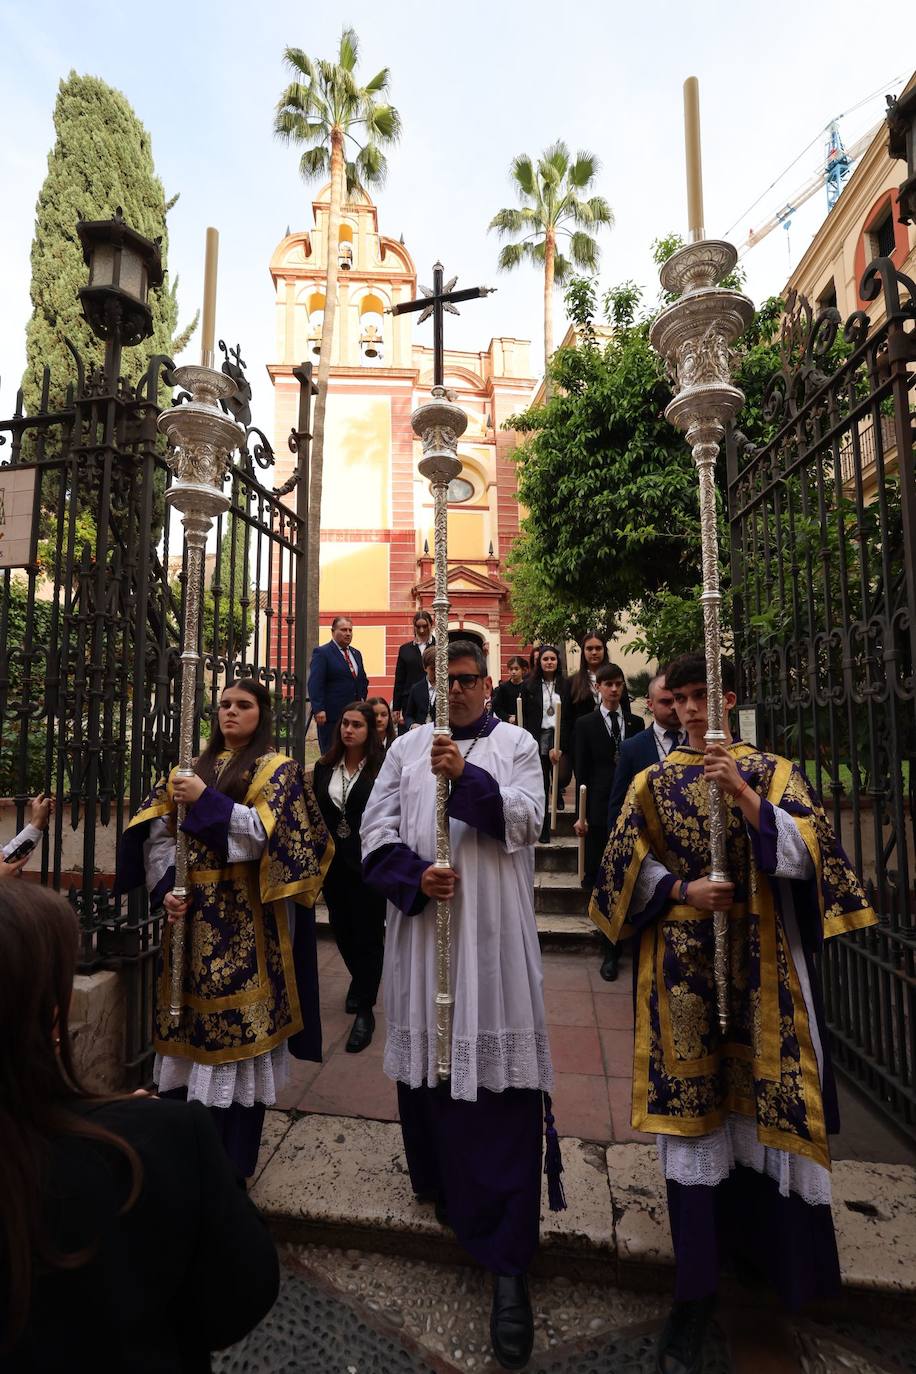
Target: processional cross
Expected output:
[439,425]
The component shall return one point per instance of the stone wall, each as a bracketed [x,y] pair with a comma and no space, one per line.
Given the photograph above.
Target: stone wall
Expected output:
[97,1028]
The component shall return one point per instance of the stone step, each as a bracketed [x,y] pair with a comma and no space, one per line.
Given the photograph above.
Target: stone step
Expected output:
[559,893]
[560,856]
[341,1181]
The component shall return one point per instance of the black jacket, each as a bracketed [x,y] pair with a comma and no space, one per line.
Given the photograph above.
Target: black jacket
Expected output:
[595,760]
[417,710]
[408,670]
[504,704]
[346,849]
[189,1269]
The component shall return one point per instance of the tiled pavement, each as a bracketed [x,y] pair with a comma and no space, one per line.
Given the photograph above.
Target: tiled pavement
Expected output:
[591,1038]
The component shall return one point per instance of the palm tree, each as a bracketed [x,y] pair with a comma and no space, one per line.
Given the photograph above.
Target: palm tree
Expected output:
[342,127]
[552,205]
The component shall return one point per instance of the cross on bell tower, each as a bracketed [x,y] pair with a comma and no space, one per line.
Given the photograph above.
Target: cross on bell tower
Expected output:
[436,302]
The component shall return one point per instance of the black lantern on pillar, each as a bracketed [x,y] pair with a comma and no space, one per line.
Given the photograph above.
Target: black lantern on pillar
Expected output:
[123,265]
[901,143]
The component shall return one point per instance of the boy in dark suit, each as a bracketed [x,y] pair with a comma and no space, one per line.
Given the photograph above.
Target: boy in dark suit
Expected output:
[421,699]
[336,677]
[409,667]
[597,740]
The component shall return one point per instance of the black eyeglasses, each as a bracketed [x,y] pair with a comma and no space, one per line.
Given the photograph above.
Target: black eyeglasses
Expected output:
[465,680]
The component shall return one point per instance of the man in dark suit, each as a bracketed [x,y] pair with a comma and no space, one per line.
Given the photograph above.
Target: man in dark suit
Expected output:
[409,667]
[652,746]
[421,699]
[336,677]
[597,740]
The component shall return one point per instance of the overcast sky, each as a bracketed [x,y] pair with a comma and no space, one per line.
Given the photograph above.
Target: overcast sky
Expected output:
[476,84]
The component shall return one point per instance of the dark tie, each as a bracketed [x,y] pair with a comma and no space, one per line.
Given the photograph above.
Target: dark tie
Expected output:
[615,727]
[672,736]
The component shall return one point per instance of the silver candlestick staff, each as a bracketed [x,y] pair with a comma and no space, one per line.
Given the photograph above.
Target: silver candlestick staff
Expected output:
[201,441]
[695,336]
[439,424]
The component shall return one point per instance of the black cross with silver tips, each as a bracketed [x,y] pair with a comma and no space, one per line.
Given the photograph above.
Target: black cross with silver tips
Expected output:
[435,303]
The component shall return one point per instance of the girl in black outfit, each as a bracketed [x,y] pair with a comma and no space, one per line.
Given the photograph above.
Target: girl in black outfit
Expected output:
[545,689]
[342,781]
[125,1241]
[384,721]
[505,697]
[581,692]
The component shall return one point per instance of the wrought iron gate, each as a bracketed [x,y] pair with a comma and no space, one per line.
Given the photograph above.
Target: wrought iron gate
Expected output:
[823,554]
[90,634]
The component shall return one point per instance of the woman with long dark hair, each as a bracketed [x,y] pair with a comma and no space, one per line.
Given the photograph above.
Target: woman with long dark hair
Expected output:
[343,780]
[125,1242]
[258,852]
[582,688]
[384,721]
[546,692]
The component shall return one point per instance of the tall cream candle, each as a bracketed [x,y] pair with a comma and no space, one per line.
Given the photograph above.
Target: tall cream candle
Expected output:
[694,159]
[208,321]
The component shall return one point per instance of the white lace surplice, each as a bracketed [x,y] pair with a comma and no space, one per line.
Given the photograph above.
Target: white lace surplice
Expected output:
[709,1159]
[499,1037]
[262,1077]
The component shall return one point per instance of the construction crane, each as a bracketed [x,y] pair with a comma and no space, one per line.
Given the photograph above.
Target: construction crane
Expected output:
[838,163]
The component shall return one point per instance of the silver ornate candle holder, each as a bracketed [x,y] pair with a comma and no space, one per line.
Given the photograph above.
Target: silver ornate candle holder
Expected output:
[201,440]
[439,425]
[695,336]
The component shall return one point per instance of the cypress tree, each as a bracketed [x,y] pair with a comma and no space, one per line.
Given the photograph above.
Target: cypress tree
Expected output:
[102,158]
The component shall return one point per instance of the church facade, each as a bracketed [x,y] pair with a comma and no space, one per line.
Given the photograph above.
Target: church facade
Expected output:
[377,512]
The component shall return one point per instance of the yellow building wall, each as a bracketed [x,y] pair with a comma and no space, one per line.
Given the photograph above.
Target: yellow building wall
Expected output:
[354,575]
[466,534]
[370,640]
[357,467]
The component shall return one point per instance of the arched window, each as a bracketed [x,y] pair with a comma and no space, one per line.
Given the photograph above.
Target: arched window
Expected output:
[315,310]
[345,247]
[371,327]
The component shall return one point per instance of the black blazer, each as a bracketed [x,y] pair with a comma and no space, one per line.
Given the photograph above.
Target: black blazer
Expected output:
[635,755]
[189,1269]
[347,850]
[417,711]
[408,670]
[595,760]
[504,704]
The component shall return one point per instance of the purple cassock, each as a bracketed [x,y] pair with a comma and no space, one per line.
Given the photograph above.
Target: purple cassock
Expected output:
[474,1143]
[742,1119]
[251,981]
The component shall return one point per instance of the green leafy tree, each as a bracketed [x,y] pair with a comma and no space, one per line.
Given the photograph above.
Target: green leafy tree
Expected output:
[343,128]
[609,485]
[102,158]
[553,207]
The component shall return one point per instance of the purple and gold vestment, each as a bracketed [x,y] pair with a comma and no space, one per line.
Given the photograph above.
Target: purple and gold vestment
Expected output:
[743,1121]
[241,997]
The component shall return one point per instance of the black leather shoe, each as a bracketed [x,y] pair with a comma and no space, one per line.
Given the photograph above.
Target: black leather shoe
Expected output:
[544,837]
[511,1322]
[361,1034]
[680,1346]
[351,1006]
[609,964]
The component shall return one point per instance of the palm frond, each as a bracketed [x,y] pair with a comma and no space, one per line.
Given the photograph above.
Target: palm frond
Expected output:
[600,211]
[314,163]
[300,62]
[584,252]
[383,123]
[522,172]
[554,163]
[348,53]
[378,84]
[561,269]
[371,167]
[513,254]
[508,221]
[585,167]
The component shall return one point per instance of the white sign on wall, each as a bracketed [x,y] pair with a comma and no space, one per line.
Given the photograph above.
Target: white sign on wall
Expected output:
[17,502]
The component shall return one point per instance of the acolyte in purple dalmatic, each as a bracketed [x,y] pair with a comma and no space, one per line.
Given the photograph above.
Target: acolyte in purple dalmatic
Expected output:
[742,1120]
[473,1144]
[251,983]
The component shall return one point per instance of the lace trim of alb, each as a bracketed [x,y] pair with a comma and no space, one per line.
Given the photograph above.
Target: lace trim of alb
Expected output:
[508,1059]
[219,1085]
[709,1159]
